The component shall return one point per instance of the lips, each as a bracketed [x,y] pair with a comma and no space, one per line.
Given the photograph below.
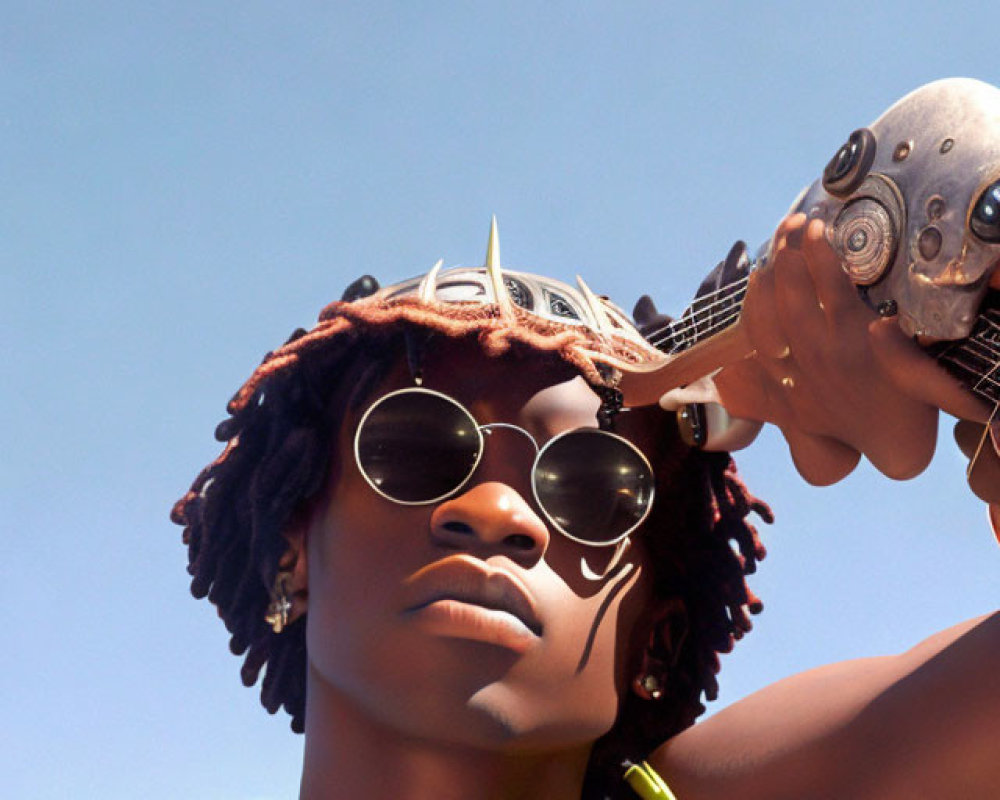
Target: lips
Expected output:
[462,597]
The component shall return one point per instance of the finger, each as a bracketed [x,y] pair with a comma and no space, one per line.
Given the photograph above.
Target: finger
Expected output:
[700,391]
[758,317]
[820,459]
[748,392]
[837,295]
[801,319]
[995,519]
[793,237]
[902,451]
[787,225]
[804,405]
[968,437]
[984,473]
[919,375]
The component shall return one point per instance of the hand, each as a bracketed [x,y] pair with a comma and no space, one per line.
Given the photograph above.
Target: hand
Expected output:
[838,380]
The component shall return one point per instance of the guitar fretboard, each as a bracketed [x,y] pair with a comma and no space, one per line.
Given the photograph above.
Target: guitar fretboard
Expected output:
[716,306]
[975,360]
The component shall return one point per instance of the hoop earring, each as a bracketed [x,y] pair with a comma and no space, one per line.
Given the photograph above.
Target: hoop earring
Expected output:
[280,606]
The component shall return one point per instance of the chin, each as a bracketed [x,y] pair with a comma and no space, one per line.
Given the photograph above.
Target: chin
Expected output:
[510,721]
[465,694]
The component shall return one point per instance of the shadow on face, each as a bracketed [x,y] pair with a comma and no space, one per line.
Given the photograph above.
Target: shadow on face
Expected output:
[470,620]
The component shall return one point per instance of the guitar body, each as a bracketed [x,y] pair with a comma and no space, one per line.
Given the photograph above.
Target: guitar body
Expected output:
[901,217]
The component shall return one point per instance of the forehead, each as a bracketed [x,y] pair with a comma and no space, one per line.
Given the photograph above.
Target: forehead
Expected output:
[524,386]
[534,390]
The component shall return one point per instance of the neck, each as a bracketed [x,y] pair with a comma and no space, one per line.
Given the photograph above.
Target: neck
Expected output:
[349,754]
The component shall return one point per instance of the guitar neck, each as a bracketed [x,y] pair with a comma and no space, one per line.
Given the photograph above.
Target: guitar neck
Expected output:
[716,307]
[708,336]
[704,338]
[975,360]
[704,319]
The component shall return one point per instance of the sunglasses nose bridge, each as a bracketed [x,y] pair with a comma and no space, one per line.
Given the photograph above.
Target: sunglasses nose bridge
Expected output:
[508,456]
[490,518]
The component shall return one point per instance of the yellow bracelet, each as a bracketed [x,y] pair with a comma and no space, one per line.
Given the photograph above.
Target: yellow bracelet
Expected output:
[647,783]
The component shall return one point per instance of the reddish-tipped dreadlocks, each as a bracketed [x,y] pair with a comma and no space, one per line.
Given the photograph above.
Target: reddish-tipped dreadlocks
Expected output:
[279,434]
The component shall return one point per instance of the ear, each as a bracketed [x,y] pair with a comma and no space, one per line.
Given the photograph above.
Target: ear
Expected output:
[294,565]
[667,624]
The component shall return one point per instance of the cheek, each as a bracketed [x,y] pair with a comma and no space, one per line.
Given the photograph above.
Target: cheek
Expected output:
[358,553]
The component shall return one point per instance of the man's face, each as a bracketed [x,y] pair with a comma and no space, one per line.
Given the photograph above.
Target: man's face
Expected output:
[470,621]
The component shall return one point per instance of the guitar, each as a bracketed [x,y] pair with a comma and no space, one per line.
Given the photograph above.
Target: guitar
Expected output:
[912,210]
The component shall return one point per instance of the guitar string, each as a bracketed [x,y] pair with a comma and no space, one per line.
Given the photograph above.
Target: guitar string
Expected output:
[690,322]
[992,351]
[693,319]
[993,355]
[719,325]
[683,344]
[992,384]
[979,384]
[974,372]
[728,290]
[731,312]
[964,347]
[689,325]
[729,316]
[724,288]
[982,440]
[694,324]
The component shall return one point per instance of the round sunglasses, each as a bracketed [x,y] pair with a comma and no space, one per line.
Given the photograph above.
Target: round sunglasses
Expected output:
[416,446]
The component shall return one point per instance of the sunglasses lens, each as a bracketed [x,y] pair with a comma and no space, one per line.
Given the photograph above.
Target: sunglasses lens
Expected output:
[416,446]
[593,486]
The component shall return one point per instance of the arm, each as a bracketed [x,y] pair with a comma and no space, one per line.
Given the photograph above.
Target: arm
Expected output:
[922,724]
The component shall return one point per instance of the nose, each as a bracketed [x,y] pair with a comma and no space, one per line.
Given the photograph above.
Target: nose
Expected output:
[491,518]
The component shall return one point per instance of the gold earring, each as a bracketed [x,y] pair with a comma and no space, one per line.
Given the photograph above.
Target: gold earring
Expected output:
[280,606]
[648,687]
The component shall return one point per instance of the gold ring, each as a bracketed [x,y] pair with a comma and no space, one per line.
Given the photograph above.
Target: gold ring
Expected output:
[785,353]
[788,382]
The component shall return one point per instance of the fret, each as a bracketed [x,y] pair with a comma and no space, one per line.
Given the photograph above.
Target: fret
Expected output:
[709,329]
[975,360]
[700,321]
[716,306]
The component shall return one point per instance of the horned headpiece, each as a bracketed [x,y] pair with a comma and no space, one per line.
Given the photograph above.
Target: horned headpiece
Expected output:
[492,299]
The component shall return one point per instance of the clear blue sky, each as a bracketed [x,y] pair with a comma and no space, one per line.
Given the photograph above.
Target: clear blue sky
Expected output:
[185,183]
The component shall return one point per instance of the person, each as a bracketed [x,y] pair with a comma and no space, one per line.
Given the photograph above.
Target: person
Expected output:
[470,572]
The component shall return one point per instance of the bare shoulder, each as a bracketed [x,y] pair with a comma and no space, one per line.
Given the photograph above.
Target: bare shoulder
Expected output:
[925,723]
